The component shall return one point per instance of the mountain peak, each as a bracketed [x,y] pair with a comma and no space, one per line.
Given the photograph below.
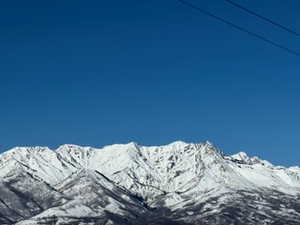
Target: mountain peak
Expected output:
[126,146]
[24,152]
[242,156]
[176,176]
[208,143]
[70,147]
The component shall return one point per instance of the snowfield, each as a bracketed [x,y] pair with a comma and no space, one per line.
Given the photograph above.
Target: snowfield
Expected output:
[179,183]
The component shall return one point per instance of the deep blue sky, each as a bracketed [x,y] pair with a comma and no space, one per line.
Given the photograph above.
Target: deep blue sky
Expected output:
[102,72]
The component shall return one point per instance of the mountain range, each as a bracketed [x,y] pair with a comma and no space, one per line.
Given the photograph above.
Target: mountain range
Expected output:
[129,184]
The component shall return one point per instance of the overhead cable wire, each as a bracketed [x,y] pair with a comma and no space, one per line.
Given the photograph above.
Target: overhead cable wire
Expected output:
[240,28]
[263,18]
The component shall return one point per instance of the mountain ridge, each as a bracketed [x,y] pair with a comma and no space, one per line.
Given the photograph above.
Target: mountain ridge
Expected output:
[177,183]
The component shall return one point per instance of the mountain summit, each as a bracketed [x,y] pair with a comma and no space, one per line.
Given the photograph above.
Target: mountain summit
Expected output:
[129,184]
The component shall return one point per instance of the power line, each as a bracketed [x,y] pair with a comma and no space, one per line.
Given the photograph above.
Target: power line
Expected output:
[263,17]
[240,28]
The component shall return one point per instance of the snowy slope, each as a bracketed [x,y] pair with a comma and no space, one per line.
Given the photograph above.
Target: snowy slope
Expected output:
[178,183]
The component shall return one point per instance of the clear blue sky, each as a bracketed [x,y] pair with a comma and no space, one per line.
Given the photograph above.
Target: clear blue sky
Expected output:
[102,72]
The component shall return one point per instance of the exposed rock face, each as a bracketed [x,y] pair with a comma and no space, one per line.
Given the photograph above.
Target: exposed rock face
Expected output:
[176,184]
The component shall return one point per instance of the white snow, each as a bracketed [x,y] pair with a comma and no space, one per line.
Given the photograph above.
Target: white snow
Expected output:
[150,171]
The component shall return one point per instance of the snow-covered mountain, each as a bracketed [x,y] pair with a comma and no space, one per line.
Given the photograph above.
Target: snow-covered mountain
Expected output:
[179,183]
